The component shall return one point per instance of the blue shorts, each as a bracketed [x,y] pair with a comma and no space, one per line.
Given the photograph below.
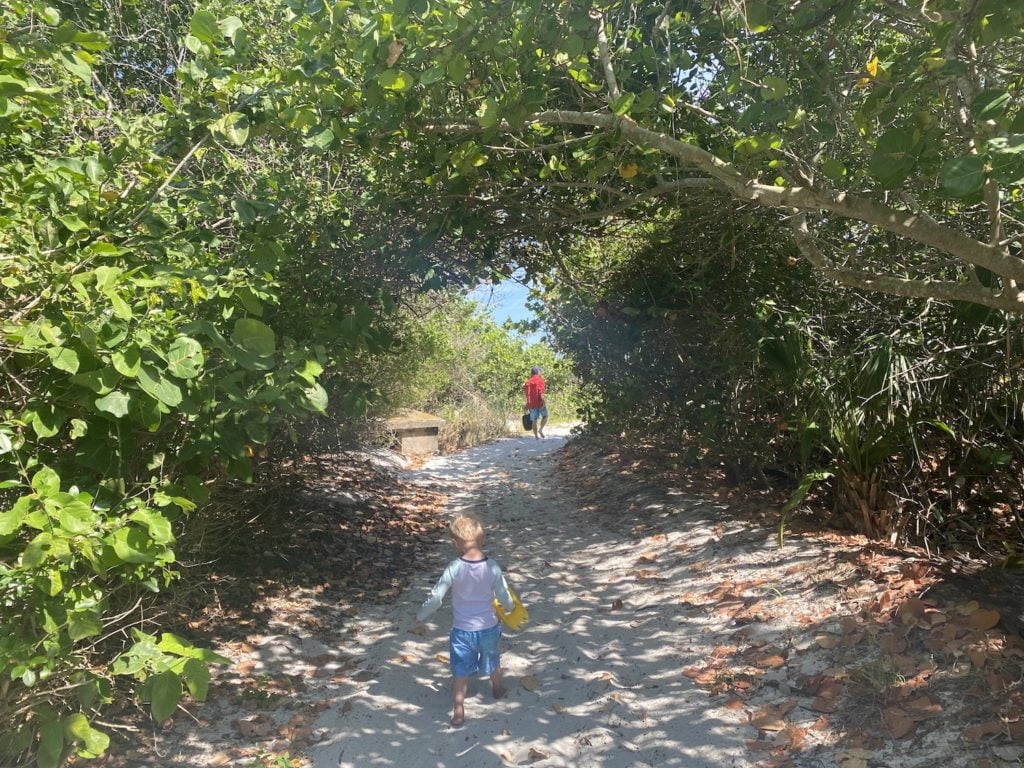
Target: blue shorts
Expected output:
[474,653]
[536,414]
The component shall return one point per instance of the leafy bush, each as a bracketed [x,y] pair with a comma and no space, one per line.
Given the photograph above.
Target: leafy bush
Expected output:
[178,274]
[457,362]
[911,413]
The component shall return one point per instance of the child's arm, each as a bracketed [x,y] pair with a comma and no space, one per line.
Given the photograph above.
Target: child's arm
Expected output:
[501,588]
[433,602]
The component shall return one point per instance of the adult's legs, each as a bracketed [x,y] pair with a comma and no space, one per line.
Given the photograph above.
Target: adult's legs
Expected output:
[543,421]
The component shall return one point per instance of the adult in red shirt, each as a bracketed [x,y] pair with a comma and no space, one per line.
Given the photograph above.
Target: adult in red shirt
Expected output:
[535,403]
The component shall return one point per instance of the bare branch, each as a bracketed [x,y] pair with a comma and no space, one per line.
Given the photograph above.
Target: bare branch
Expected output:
[606,58]
[899,286]
[904,223]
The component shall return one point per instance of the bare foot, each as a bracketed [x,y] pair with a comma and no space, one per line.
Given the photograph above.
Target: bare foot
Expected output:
[499,693]
[458,716]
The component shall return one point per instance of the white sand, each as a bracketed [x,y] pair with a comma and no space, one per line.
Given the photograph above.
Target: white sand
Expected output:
[609,690]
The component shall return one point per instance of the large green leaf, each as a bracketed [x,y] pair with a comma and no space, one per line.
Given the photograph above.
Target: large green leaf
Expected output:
[11,520]
[51,745]
[64,359]
[185,358]
[255,344]
[990,103]
[116,403]
[621,105]
[154,383]
[230,26]
[133,545]
[1011,145]
[46,420]
[432,74]
[894,157]
[197,678]
[46,482]
[159,526]
[101,381]
[774,88]
[82,625]
[165,690]
[234,127]
[204,26]
[963,176]
[395,80]
[488,113]
[78,729]
[317,397]
[121,307]
[127,360]
[73,62]
[758,16]
[76,517]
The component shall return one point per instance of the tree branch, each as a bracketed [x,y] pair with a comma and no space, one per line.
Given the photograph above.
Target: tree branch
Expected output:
[606,59]
[899,286]
[906,224]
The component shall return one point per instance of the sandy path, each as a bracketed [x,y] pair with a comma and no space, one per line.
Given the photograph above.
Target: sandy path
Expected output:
[632,622]
[609,691]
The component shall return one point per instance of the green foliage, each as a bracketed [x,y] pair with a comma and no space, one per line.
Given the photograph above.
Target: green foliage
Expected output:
[457,362]
[211,214]
[909,416]
[180,280]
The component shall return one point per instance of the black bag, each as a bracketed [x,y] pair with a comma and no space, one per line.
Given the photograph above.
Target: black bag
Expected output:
[527,422]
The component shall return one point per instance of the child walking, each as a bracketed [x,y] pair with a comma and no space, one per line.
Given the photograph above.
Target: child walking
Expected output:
[475,581]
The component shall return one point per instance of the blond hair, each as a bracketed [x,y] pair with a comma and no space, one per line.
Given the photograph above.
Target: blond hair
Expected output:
[467,530]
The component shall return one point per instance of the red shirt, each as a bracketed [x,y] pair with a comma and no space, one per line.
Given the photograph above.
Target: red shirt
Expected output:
[534,388]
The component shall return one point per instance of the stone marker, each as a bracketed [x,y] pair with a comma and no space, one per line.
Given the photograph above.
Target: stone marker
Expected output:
[416,431]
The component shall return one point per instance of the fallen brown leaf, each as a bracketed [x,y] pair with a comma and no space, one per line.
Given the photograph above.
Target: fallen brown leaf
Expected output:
[980,731]
[256,726]
[983,619]
[899,723]
[923,707]
[824,704]
[769,723]
[529,682]
[795,735]
[762,746]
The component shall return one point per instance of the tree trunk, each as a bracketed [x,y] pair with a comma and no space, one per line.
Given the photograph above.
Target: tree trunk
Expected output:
[867,506]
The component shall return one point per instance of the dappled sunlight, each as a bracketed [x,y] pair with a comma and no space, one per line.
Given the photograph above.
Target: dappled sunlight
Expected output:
[594,678]
[665,630]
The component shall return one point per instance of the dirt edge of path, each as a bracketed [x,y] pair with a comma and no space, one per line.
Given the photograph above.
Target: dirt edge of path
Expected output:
[884,657]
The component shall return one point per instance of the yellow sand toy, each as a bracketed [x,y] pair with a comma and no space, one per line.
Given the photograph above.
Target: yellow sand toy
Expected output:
[517,617]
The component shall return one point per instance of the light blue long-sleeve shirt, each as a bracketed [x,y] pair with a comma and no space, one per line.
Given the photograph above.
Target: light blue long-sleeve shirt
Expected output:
[474,585]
